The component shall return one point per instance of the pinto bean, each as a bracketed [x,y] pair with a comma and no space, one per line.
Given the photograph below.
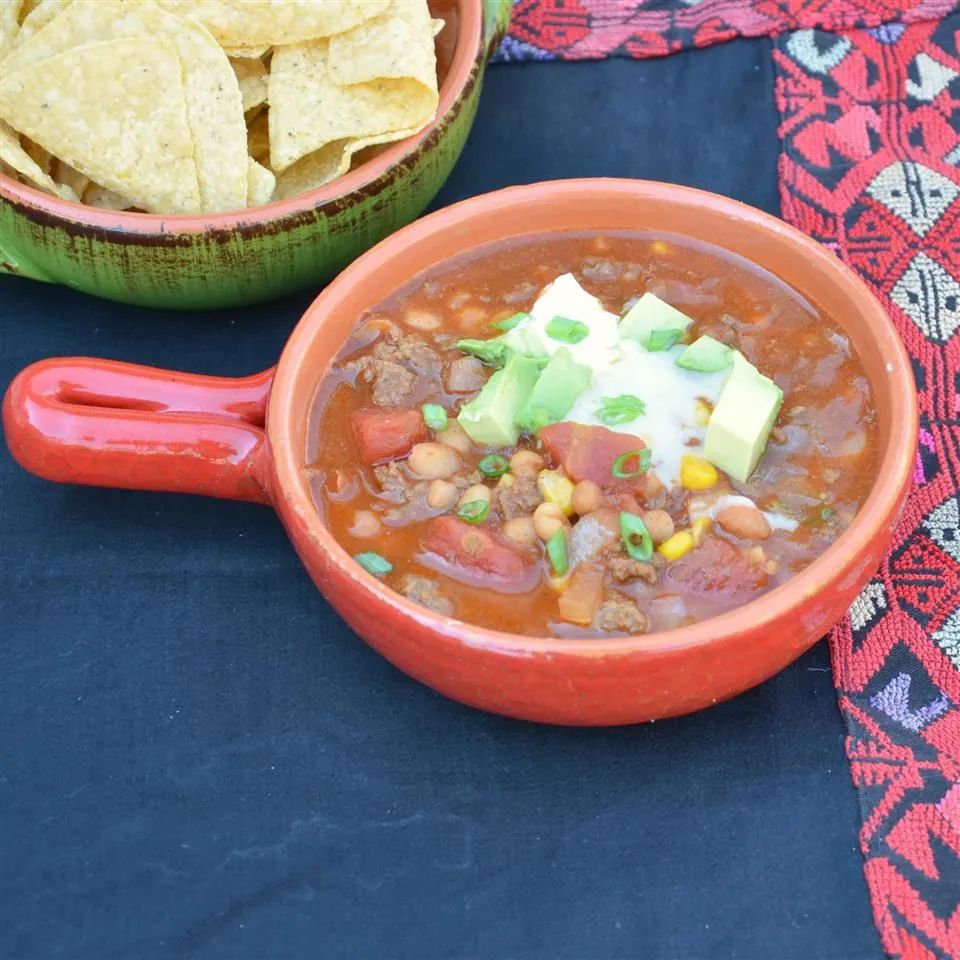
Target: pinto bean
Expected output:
[455,436]
[548,518]
[526,461]
[585,497]
[745,522]
[477,492]
[433,461]
[521,530]
[441,495]
[659,524]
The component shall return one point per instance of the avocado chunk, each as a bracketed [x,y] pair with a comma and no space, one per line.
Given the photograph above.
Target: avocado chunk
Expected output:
[560,383]
[490,418]
[741,421]
[706,355]
[526,339]
[649,314]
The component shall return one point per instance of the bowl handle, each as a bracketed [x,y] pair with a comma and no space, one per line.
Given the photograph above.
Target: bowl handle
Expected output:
[111,424]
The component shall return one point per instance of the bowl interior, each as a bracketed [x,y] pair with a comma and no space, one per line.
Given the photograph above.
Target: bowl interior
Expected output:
[459,49]
[552,208]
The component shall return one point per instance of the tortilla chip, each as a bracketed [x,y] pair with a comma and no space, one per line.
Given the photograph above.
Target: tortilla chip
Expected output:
[24,167]
[116,111]
[254,23]
[252,78]
[309,111]
[246,53]
[97,196]
[395,45]
[260,183]
[67,176]
[38,16]
[210,89]
[9,24]
[330,162]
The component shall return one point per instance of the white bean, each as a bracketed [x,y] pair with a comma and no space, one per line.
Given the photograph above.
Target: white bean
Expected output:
[441,494]
[521,530]
[433,461]
[477,492]
[455,436]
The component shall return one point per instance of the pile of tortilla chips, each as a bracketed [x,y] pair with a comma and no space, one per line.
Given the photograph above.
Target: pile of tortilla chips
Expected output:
[180,106]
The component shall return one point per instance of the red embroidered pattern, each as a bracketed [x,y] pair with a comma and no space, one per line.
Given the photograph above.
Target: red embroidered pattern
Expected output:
[871,168]
[594,29]
[871,146]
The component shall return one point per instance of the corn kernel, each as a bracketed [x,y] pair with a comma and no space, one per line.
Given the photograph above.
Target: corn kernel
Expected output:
[697,474]
[660,248]
[701,412]
[699,529]
[678,545]
[555,488]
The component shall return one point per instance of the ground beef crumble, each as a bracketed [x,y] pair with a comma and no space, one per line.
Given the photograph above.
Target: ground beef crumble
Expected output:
[620,614]
[426,592]
[518,499]
[623,568]
[394,385]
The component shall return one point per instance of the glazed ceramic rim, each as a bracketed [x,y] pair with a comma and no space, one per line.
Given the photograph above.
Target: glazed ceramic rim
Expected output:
[880,511]
[467,54]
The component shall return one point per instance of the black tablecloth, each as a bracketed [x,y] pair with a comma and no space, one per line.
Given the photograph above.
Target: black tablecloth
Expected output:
[200,760]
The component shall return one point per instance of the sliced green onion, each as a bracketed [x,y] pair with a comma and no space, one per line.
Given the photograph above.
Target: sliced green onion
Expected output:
[619,468]
[620,409]
[569,331]
[434,416]
[493,465]
[474,512]
[508,323]
[636,538]
[493,352]
[826,514]
[374,563]
[663,339]
[557,552]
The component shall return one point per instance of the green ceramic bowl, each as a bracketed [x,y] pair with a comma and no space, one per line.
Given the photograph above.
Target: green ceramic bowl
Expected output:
[223,260]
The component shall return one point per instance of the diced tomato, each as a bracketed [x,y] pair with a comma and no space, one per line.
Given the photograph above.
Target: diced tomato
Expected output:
[718,567]
[589,453]
[387,434]
[477,556]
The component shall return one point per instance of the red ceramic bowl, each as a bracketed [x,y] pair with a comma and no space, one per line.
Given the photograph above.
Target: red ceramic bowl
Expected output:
[112,424]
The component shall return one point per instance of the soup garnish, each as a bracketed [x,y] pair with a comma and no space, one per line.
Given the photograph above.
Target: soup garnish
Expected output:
[591,435]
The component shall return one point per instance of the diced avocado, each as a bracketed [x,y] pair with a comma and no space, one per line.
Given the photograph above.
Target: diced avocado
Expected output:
[741,421]
[651,313]
[560,383]
[706,355]
[491,416]
[527,339]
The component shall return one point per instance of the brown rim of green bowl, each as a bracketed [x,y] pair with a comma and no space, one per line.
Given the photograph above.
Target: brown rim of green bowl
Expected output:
[468,49]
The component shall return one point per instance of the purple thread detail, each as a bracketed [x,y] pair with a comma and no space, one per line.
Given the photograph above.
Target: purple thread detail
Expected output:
[513,50]
[894,701]
[926,440]
[889,33]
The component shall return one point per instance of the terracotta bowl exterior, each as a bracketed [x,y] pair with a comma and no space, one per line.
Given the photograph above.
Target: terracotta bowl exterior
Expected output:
[113,424]
[231,259]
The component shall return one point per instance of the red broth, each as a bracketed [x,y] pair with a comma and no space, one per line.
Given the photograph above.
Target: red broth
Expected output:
[817,469]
